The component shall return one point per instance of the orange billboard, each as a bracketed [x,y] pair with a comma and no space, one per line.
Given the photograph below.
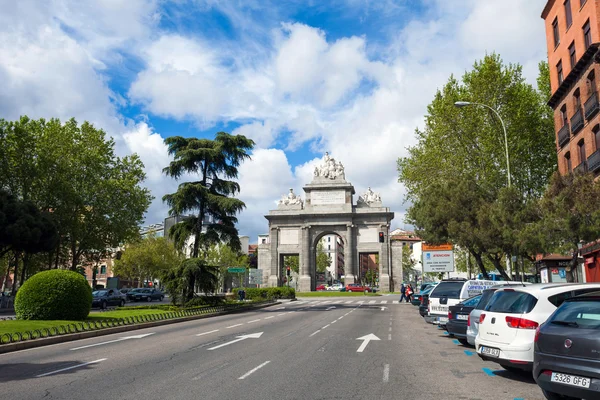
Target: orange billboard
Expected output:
[434,247]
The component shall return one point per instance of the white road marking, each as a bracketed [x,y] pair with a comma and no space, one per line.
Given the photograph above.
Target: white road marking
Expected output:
[372,302]
[68,368]
[314,333]
[206,333]
[326,326]
[272,316]
[239,339]
[233,326]
[390,323]
[361,301]
[389,336]
[279,308]
[254,320]
[366,339]
[349,301]
[383,301]
[386,372]
[390,328]
[253,370]
[330,308]
[333,322]
[281,314]
[340,317]
[113,341]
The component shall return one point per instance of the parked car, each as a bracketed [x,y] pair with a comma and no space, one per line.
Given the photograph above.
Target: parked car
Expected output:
[416,299]
[450,292]
[107,297]
[149,295]
[508,324]
[357,287]
[426,285]
[131,293]
[321,288]
[458,316]
[473,321]
[566,358]
[335,287]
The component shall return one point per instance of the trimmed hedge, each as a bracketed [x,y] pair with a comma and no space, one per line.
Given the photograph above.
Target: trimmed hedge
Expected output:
[283,292]
[54,295]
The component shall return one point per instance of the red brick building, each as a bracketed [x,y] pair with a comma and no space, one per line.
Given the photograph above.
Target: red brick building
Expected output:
[573,39]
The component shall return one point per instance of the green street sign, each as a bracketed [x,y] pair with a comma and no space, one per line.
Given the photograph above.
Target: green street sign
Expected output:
[236,270]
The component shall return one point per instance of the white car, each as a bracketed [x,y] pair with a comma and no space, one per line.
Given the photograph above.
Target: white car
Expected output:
[336,287]
[508,323]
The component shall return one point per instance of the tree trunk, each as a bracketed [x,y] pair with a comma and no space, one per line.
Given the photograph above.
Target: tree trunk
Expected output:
[15,274]
[57,254]
[6,276]
[75,256]
[499,267]
[26,259]
[480,264]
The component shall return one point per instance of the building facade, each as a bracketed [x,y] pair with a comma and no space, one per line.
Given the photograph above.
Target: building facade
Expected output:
[573,39]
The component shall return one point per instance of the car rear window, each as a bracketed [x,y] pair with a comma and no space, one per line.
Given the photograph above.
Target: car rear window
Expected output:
[472,301]
[511,302]
[485,299]
[447,289]
[584,313]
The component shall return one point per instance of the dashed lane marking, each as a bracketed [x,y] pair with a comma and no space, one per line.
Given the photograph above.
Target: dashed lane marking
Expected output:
[386,372]
[253,370]
[233,326]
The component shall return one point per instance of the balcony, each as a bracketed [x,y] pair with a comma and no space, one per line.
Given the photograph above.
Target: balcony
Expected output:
[581,168]
[594,161]
[563,136]
[576,122]
[591,106]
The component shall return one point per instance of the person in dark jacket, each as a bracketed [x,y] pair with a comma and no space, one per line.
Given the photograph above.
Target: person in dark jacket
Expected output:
[403,292]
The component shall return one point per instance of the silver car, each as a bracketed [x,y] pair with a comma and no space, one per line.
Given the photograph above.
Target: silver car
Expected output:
[473,323]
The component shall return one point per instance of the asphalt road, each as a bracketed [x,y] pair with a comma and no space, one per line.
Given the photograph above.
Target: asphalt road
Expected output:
[299,350]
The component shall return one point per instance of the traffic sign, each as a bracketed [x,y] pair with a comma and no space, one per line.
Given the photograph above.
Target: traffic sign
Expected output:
[236,270]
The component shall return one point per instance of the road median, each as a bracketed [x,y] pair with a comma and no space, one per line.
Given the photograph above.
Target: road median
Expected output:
[88,329]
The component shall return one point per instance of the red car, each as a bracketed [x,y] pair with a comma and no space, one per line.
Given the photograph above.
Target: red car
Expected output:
[355,287]
[321,287]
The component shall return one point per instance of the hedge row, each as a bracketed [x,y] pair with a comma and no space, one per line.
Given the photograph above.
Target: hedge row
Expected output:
[269,293]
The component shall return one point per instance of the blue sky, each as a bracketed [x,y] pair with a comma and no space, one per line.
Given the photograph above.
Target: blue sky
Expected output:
[352,77]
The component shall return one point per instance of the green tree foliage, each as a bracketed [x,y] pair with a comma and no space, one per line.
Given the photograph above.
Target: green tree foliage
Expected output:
[54,295]
[456,173]
[148,258]
[191,276]
[71,170]
[408,264]
[293,262]
[216,163]
[323,260]
[224,257]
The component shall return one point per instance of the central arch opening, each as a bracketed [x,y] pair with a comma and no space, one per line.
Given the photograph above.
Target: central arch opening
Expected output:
[328,262]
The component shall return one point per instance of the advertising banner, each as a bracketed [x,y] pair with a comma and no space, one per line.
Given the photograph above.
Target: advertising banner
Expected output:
[438,261]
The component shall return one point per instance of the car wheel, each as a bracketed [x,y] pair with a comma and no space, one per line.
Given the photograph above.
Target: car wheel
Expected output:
[122,303]
[103,306]
[463,342]
[149,299]
[556,396]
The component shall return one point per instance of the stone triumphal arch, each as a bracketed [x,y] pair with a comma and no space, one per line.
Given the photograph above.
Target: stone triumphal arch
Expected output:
[328,208]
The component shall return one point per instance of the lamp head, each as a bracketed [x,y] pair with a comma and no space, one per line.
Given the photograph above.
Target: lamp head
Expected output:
[461,104]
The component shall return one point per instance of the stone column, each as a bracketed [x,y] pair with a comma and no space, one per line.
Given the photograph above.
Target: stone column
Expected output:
[304,281]
[384,265]
[274,275]
[349,256]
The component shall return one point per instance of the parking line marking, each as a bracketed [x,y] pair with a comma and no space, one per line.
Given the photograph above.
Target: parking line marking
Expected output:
[386,372]
[469,353]
[445,333]
[314,333]
[488,371]
[253,370]
[68,368]
[272,316]
[254,320]
[233,326]
[206,333]
[455,341]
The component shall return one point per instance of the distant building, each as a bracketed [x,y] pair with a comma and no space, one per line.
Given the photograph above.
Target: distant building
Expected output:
[334,248]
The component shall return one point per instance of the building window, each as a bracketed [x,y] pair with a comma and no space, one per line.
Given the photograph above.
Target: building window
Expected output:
[581,149]
[591,82]
[559,72]
[577,100]
[103,269]
[596,131]
[563,115]
[328,247]
[568,13]
[568,162]
[572,55]
[263,241]
[329,239]
[555,30]
[587,35]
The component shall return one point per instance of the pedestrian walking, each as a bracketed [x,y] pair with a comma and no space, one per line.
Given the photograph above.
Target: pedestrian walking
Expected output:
[403,292]
[409,293]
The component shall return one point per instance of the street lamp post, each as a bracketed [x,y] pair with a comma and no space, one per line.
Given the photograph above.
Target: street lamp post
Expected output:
[461,104]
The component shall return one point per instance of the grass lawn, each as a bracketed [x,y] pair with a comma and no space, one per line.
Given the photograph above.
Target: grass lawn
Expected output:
[334,294]
[27,325]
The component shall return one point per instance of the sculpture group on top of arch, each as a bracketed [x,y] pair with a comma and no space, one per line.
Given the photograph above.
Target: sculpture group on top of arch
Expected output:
[330,168]
[369,197]
[291,199]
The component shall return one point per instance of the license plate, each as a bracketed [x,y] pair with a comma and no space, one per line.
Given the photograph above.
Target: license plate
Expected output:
[490,351]
[570,380]
[465,317]
[442,319]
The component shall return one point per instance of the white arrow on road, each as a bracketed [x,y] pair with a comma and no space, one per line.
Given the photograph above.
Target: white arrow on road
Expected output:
[330,308]
[366,339]
[279,308]
[239,339]
[114,341]
[383,308]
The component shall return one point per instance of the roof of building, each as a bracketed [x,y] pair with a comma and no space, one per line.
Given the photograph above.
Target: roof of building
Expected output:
[547,8]
[252,248]
[402,234]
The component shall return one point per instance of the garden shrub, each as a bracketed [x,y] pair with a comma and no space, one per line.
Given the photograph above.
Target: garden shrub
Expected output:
[283,292]
[54,295]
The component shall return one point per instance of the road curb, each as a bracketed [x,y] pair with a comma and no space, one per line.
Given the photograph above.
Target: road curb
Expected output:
[29,344]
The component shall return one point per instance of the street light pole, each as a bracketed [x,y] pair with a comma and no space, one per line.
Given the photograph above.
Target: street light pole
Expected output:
[461,104]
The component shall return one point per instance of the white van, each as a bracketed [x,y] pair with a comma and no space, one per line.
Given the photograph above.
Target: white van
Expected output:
[450,292]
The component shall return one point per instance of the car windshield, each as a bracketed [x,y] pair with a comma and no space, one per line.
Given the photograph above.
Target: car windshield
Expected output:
[511,302]
[579,314]
[447,289]
[472,301]
[98,293]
